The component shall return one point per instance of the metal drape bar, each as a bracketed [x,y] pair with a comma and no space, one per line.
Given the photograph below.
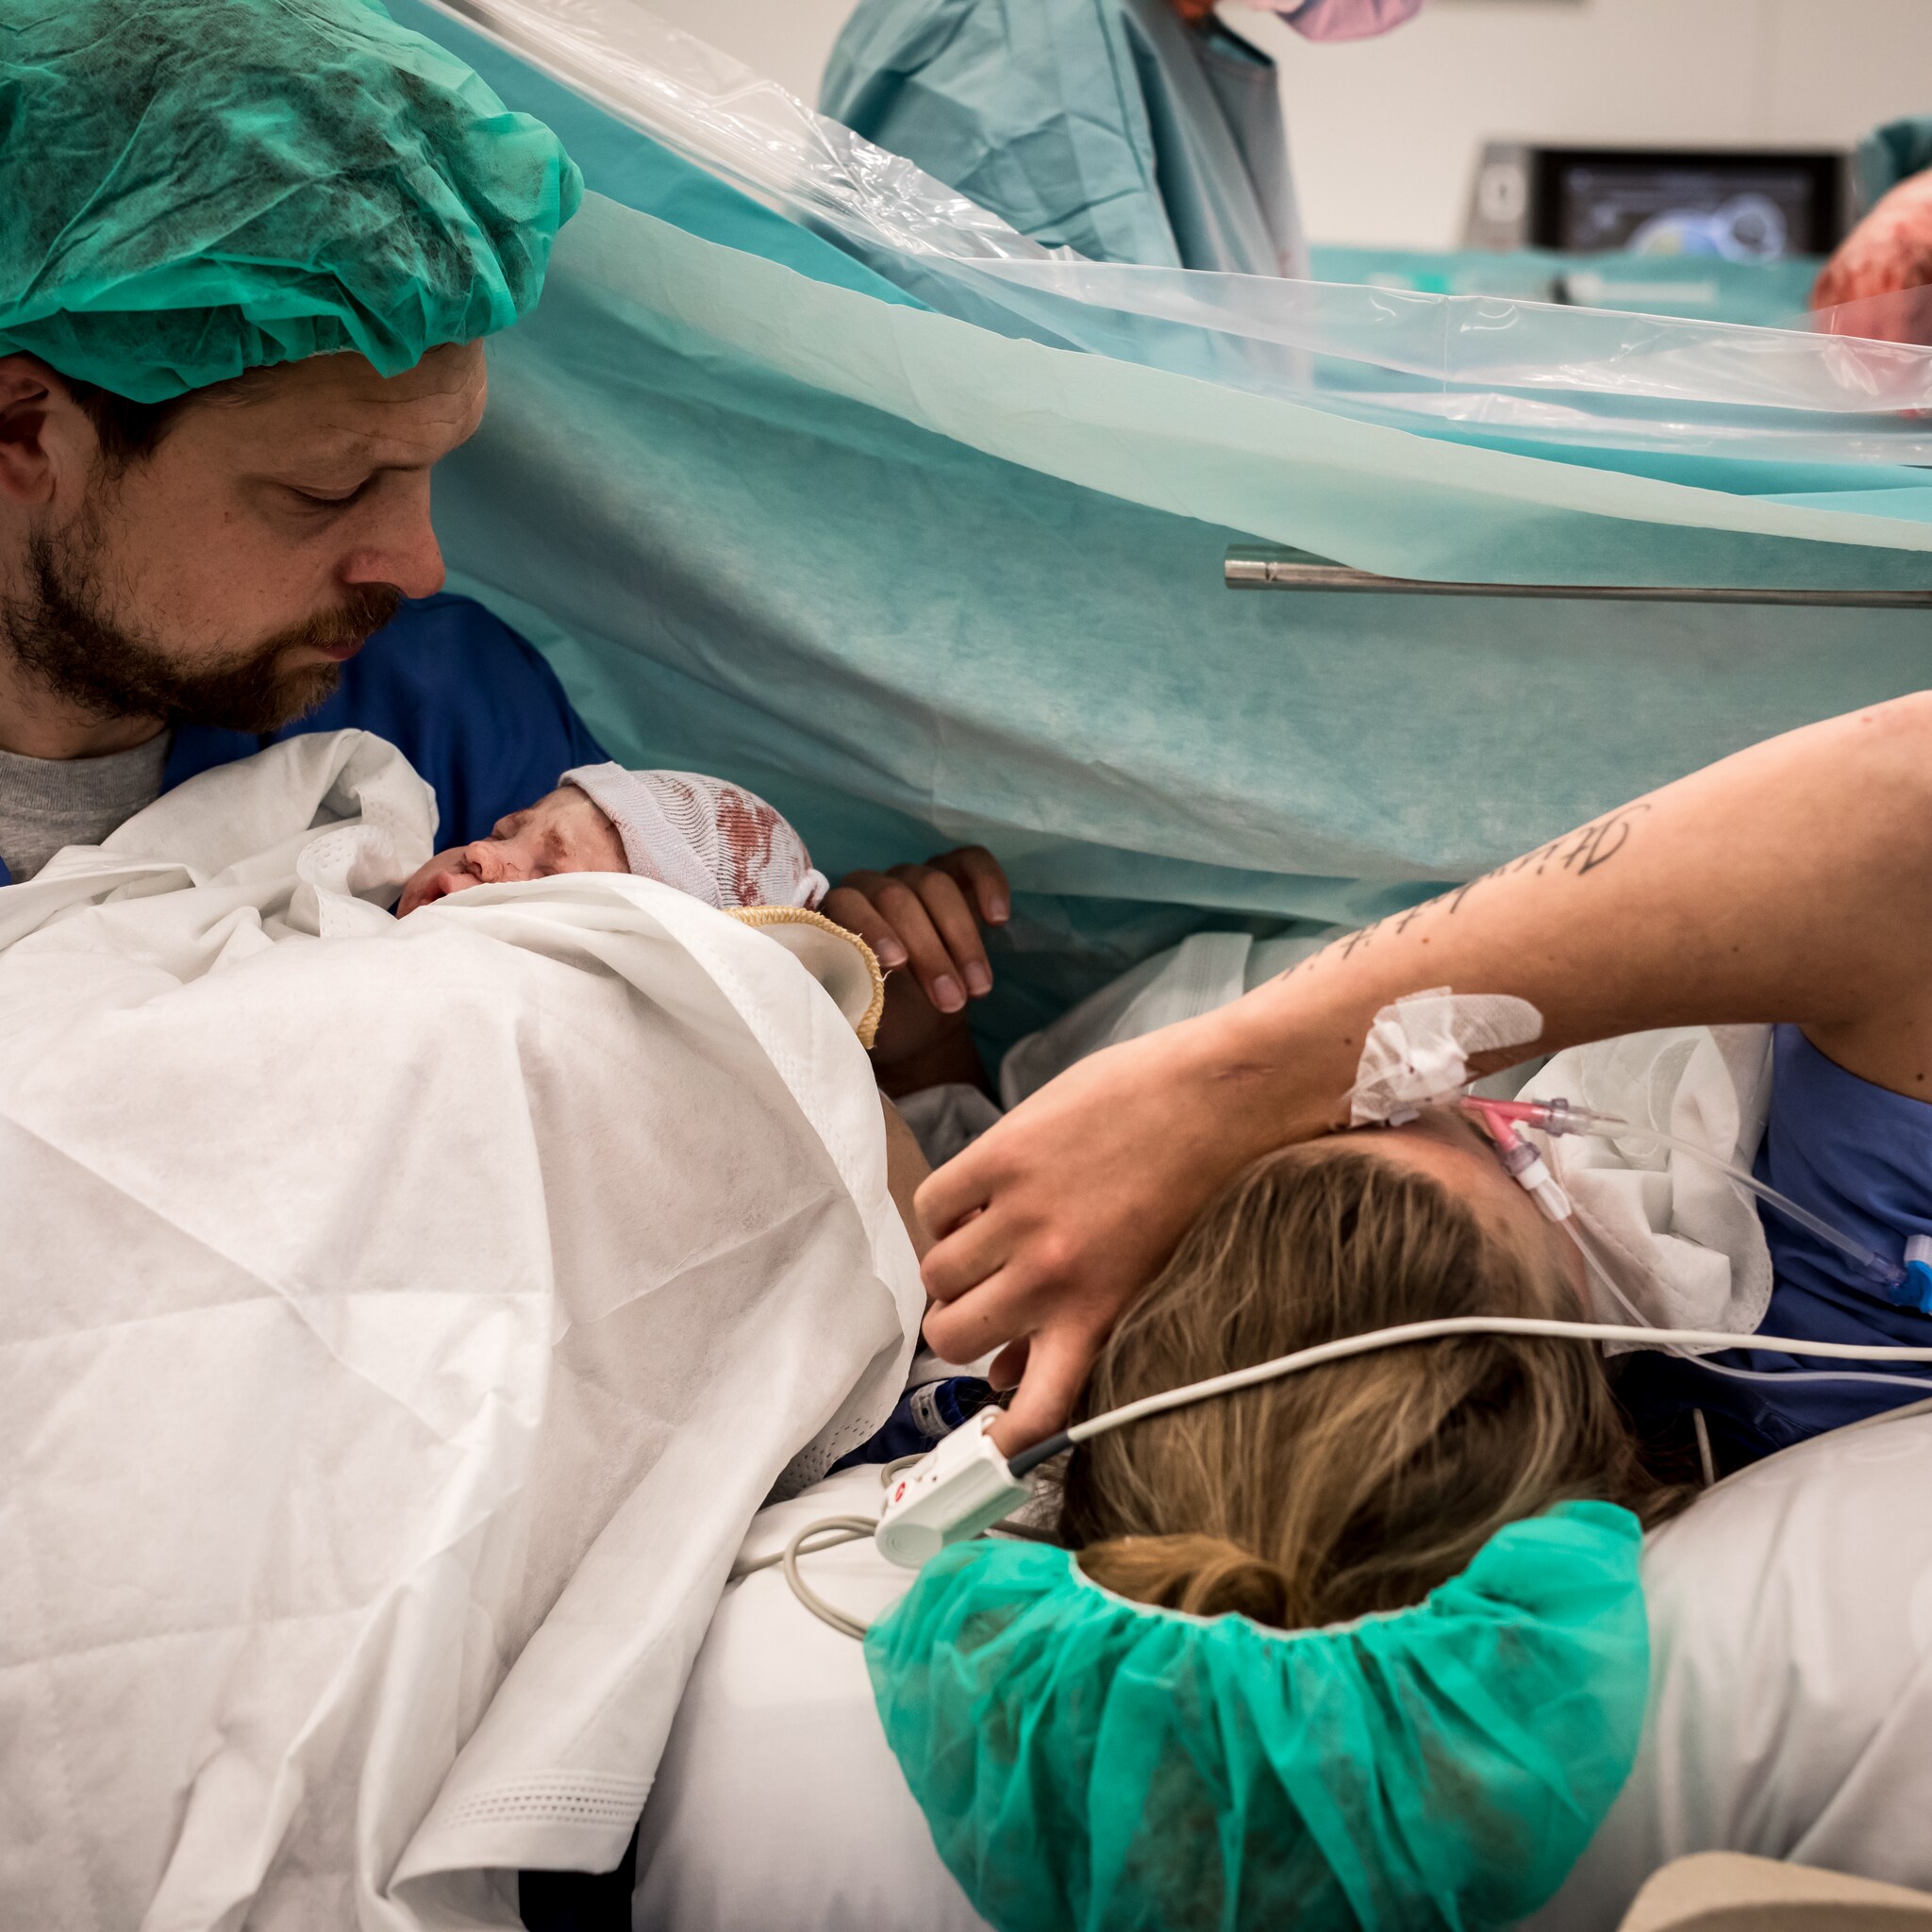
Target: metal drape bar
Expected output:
[1266,567]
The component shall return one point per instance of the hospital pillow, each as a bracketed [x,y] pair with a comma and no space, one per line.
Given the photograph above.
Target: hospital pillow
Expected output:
[1792,1692]
[1790,1675]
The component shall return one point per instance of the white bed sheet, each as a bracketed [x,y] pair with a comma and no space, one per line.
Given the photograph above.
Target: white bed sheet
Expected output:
[778,1806]
[1790,1705]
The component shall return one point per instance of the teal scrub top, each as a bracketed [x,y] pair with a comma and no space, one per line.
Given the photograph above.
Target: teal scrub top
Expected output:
[1109,127]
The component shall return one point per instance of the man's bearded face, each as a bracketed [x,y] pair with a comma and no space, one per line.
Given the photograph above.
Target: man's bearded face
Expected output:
[64,634]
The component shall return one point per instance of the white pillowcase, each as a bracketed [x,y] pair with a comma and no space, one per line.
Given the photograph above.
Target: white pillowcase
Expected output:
[778,1806]
[1790,1705]
[1790,1696]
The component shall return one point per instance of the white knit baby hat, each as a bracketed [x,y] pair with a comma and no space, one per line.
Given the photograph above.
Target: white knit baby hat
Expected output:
[715,841]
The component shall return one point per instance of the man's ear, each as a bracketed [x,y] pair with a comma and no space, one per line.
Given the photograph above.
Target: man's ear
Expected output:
[45,436]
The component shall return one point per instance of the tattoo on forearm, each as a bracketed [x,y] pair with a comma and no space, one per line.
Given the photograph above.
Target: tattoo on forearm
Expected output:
[1578,853]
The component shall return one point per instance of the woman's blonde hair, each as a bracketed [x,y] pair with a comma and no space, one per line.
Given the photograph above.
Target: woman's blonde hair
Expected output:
[1361,1485]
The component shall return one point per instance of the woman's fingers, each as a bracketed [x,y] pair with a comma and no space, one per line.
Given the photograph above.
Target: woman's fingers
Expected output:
[1053,1220]
[1059,1358]
[1007,1367]
[993,1315]
[974,1246]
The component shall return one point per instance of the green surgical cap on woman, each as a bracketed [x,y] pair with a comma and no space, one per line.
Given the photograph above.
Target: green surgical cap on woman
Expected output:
[200,187]
[1084,1763]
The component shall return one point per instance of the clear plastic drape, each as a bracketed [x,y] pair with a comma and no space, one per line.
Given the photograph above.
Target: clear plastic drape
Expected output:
[1470,366]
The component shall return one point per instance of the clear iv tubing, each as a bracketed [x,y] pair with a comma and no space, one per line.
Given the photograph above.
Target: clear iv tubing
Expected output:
[1560,1117]
[1556,1117]
[1661,1339]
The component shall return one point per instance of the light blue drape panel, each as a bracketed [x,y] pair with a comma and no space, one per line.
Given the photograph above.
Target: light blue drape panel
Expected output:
[918,582]
[714,491]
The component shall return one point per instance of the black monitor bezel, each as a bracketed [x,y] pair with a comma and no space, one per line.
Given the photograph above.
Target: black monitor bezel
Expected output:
[1549,165]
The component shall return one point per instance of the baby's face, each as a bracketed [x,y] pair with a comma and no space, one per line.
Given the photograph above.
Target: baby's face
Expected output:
[564,831]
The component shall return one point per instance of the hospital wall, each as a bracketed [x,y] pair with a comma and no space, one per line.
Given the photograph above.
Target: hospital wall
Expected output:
[1385,132]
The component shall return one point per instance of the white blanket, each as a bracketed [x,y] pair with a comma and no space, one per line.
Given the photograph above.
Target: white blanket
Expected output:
[401,1324]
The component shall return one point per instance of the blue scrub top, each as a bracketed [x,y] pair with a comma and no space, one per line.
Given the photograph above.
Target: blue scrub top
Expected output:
[1859,1156]
[466,700]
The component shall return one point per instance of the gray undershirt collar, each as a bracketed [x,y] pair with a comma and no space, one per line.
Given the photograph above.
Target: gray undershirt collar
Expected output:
[48,802]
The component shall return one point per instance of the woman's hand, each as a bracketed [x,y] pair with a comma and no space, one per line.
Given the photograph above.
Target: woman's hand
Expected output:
[1056,1217]
[923,923]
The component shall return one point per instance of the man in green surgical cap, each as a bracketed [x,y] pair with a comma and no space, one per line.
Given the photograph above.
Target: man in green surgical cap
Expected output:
[251,250]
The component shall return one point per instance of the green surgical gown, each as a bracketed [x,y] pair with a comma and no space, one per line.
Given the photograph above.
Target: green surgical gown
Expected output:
[1107,127]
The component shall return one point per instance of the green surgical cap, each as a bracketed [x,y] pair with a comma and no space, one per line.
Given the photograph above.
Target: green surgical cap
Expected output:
[1085,1762]
[200,187]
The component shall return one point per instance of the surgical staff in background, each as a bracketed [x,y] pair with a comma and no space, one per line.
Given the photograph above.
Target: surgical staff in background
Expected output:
[1129,130]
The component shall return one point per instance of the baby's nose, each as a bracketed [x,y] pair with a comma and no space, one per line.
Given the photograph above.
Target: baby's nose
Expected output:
[497,861]
[485,858]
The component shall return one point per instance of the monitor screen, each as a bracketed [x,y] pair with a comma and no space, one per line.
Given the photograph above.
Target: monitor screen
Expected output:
[1729,206]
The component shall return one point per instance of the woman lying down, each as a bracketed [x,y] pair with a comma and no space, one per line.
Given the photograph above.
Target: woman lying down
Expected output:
[1366,1645]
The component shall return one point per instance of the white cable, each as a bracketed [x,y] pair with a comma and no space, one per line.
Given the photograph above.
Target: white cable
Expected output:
[1591,1261]
[1347,1345]
[835,1530]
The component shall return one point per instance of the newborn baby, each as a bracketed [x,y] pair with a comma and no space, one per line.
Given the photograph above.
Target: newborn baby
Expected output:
[726,846]
[715,841]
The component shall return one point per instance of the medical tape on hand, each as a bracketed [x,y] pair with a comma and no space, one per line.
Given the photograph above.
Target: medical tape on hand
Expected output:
[1418,1051]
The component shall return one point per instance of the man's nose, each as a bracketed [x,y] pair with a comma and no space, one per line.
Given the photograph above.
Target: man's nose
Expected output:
[401,548]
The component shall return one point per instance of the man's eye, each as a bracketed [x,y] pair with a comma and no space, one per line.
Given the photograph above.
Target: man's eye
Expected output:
[325,499]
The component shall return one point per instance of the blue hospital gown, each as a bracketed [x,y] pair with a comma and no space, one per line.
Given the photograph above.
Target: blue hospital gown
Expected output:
[1859,1156]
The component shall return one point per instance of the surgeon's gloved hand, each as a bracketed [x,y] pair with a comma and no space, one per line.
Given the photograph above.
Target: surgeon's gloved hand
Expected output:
[923,924]
[1888,253]
[564,831]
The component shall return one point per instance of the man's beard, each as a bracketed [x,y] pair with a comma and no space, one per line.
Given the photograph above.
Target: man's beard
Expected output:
[61,634]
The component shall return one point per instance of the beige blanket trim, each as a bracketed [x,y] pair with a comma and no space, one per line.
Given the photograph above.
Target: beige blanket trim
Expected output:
[867,1024]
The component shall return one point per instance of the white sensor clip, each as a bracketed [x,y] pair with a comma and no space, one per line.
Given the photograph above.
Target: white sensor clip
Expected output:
[961,1486]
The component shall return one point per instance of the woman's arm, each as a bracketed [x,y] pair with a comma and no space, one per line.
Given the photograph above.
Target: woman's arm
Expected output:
[1791,882]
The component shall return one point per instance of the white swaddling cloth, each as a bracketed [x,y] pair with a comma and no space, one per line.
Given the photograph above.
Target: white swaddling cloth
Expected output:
[402,1323]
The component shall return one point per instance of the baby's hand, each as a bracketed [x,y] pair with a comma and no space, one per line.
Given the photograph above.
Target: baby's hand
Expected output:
[926,918]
